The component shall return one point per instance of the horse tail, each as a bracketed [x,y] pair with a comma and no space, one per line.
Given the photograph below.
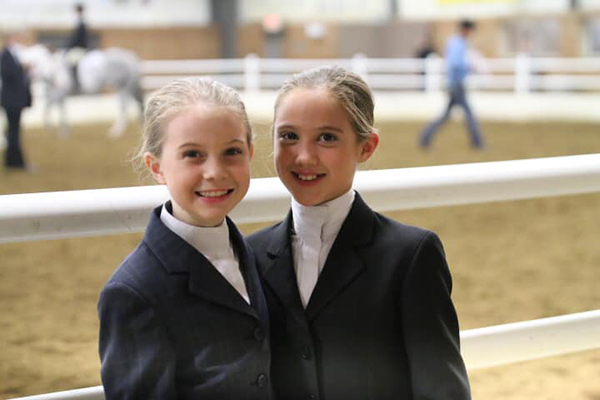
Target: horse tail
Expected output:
[138,94]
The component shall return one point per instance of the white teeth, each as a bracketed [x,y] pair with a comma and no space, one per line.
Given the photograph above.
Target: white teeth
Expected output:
[307,177]
[218,193]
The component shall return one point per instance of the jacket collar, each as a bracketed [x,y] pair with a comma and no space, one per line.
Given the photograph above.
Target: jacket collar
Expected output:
[342,266]
[179,257]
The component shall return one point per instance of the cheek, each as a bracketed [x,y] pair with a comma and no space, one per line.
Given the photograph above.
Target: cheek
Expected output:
[284,154]
[242,171]
[341,160]
[279,155]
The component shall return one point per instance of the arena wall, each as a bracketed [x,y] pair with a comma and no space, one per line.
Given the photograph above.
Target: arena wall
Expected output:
[394,38]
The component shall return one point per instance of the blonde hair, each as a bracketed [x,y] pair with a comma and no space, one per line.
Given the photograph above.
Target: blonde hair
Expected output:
[178,96]
[350,90]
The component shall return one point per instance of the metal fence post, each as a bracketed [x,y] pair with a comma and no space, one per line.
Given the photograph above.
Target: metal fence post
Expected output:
[433,75]
[522,73]
[360,66]
[251,73]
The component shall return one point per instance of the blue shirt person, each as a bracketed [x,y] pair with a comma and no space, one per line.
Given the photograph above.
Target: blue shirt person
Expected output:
[458,68]
[456,59]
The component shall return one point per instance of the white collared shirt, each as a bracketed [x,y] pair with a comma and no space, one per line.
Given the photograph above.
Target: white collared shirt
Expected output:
[214,244]
[14,52]
[315,230]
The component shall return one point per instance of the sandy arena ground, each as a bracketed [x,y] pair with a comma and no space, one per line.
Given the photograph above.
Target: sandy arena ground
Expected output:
[510,261]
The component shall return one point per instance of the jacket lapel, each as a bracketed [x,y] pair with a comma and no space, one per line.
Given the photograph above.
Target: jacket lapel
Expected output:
[280,274]
[208,283]
[250,274]
[178,257]
[344,263]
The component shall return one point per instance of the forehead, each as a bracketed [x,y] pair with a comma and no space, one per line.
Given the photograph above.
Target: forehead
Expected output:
[205,120]
[309,106]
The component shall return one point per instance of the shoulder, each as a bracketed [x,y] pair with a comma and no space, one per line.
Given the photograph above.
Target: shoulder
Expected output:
[393,229]
[5,55]
[395,237]
[140,271]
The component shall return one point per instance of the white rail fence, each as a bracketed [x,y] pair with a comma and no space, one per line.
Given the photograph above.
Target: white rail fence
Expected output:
[37,216]
[521,74]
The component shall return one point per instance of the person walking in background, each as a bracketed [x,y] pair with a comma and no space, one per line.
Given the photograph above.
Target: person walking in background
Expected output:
[184,316]
[457,67]
[360,304]
[15,97]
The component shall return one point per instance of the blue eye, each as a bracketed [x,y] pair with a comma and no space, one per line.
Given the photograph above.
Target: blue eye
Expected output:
[288,136]
[191,154]
[233,151]
[328,137]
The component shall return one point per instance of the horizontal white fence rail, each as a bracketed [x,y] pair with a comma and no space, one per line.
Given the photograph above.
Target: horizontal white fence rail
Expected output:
[481,348]
[53,215]
[529,340]
[520,74]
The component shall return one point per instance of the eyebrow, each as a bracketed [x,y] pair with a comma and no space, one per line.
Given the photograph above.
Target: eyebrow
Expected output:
[192,144]
[330,128]
[320,128]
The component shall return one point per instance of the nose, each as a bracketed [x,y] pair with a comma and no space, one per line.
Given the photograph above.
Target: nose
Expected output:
[307,154]
[214,169]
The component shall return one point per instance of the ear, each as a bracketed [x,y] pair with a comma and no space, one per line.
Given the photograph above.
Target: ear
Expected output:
[251,150]
[368,147]
[153,165]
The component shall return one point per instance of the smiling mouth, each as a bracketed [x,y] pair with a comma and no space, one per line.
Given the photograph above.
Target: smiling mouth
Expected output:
[213,194]
[308,177]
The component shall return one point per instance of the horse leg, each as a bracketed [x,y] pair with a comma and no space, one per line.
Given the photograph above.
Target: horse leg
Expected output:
[48,117]
[64,130]
[119,126]
[139,97]
[3,141]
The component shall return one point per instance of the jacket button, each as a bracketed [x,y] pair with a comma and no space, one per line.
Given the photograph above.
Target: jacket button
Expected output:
[262,380]
[305,353]
[259,335]
[311,397]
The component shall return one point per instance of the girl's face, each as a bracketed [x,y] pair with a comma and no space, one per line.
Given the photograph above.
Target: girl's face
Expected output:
[205,163]
[316,150]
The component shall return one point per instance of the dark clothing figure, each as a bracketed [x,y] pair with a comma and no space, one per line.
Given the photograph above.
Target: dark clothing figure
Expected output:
[77,46]
[425,51]
[16,95]
[380,323]
[79,36]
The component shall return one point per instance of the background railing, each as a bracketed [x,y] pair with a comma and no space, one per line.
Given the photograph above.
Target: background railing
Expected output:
[521,74]
[105,211]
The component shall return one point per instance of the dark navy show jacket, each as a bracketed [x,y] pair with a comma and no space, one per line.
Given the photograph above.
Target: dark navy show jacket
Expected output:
[172,327]
[380,323]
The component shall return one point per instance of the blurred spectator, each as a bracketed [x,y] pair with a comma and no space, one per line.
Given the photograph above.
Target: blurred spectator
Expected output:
[425,47]
[79,36]
[78,45]
[457,69]
[16,96]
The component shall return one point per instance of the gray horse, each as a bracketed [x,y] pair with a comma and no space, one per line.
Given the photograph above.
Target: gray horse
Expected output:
[98,70]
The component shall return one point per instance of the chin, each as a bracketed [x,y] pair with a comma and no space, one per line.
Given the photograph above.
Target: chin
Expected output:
[309,201]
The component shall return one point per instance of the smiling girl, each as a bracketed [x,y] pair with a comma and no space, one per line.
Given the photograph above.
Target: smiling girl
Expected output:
[184,316]
[360,304]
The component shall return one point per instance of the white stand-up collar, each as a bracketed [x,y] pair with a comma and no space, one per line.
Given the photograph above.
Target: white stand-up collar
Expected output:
[212,241]
[214,244]
[324,220]
[315,231]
